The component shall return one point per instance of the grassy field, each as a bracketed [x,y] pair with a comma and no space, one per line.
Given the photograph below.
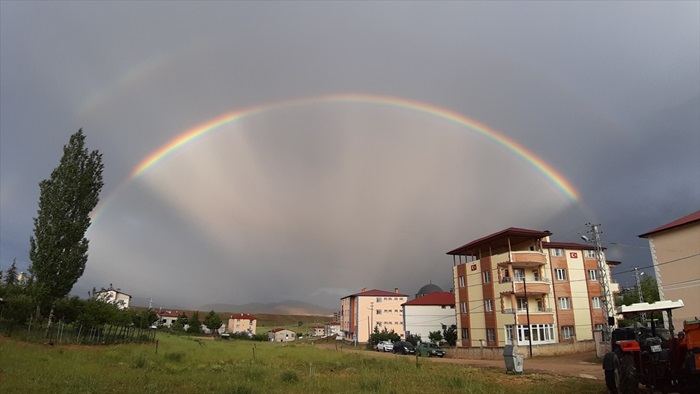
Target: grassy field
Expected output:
[184,364]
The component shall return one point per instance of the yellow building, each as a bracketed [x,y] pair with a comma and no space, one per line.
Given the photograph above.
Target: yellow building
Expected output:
[361,312]
[675,251]
[242,323]
[515,276]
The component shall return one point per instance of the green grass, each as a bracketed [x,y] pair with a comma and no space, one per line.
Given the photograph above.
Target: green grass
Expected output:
[183,364]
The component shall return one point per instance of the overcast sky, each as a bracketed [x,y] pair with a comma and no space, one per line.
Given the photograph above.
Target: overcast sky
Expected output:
[317,199]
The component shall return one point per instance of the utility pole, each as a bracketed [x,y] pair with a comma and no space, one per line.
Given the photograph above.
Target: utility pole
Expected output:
[527,312]
[606,296]
[371,321]
[640,296]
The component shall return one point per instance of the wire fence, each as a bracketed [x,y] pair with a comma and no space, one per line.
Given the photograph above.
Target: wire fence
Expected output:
[78,334]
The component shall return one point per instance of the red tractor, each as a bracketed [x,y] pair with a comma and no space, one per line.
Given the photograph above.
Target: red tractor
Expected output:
[654,356]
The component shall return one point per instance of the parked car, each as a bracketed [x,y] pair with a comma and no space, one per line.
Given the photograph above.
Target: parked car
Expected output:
[430,350]
[384,346]
[404,347]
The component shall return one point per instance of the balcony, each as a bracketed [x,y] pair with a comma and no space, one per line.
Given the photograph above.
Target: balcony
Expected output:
[541,286]
[534,286]
[527,259]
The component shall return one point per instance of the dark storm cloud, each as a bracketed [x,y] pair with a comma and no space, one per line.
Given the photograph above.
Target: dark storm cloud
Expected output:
[312,203]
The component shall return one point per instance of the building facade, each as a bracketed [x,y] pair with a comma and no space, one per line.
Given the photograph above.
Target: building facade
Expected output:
[242,322]
[332,328]
[167,318]
[429,312]
[114,296]
[517,287]
[361,312]
[281,335]
[675,251]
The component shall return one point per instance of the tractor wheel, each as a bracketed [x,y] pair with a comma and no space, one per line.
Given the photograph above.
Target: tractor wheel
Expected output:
[612,378]
[629,381]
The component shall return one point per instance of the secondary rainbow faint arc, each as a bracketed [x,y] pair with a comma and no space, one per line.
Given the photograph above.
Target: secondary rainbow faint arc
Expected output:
[562,183]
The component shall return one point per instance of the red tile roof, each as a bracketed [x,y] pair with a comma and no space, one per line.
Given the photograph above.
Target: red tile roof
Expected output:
[438,298]
[376,293]
[168,314]
[279,329]
[500,239]
[567,245]
[693,217]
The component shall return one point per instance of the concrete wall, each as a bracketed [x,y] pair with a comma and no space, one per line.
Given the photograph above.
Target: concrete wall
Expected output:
[496,353]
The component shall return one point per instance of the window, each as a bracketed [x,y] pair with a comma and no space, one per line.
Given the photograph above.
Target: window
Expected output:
[567,332]
[560,273]
[519,274]
[379,299]
[487,276]
[595,302]
[505,275]
[564,303]
[590,254]
[461,281]
[465,333]
[599,327]
[488,305]
[490,335]
[464,307]
[509,333]
[536,275]
[379,311]
[557,252]
[593,275]
[522,304]
[379,323]
[541,333]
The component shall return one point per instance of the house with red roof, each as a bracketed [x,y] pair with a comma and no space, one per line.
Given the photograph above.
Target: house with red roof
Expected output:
[361,312]
[675,252]
[167,318]
[242,322]
[428,313]
[281,335]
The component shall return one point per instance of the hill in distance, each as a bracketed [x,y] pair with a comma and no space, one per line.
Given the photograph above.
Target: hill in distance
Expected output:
[277,308]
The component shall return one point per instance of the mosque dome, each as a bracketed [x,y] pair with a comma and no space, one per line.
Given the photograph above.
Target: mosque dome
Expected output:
[427,289]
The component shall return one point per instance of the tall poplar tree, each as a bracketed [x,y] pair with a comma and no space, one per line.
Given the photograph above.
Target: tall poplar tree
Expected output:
[58,249]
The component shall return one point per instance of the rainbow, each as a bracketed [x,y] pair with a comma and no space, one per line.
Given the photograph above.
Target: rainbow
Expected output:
[189,135]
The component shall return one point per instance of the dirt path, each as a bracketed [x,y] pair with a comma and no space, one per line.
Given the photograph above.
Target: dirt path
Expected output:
[581,365]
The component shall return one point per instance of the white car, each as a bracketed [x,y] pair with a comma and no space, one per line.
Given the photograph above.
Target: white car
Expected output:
[385,346]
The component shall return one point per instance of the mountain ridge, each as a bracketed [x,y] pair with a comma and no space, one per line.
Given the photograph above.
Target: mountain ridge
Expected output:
[287,307]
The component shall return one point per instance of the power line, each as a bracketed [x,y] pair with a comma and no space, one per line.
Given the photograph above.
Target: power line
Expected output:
[659,264]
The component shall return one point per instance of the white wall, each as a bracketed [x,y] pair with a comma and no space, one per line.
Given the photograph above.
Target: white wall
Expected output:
[422,319]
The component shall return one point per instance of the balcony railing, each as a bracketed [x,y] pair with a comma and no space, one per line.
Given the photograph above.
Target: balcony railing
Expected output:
[512,311]
[519,279]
